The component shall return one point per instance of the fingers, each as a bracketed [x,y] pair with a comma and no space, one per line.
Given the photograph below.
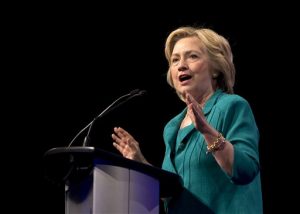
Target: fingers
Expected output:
[190,99]
[122,133]
[120,141]
[191,104]
[118,147]
[124,143]
[121,138]
[117,140]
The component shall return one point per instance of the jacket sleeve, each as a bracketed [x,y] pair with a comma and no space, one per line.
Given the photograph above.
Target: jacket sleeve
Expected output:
[240,129]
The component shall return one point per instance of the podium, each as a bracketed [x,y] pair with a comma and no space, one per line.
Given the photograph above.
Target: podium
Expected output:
[97,181]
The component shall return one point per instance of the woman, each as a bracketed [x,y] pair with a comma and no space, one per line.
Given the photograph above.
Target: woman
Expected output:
[213,143]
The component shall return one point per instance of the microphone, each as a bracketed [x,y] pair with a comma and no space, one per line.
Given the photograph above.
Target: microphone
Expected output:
[112,106]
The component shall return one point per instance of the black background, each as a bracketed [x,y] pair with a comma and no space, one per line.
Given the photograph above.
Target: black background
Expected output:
[67,63]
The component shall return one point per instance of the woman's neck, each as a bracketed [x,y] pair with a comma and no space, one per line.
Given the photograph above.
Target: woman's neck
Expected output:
[203,98]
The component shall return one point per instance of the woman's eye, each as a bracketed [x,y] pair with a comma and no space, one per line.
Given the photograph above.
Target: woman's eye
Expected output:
[192,58]
[174,60]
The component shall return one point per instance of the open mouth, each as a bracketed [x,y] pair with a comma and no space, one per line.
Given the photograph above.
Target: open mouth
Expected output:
[184,77]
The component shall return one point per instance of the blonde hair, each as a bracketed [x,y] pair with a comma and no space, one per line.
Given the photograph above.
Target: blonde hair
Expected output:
[218,51]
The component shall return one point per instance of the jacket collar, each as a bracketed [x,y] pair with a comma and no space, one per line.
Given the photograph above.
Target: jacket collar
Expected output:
[212,101]
[175,123]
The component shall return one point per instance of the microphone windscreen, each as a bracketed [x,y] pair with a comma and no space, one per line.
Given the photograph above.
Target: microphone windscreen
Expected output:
[142,92]
[135,91]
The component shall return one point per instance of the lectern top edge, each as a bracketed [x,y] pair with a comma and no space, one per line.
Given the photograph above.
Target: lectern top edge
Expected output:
[60,163]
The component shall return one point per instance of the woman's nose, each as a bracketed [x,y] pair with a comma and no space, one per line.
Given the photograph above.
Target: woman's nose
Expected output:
[182,65]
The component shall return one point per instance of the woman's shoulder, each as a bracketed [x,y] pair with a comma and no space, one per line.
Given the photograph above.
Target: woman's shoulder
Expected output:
[175,120]
[232,100]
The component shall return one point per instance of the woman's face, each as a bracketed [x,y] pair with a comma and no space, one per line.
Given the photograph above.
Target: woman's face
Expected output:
[190,67]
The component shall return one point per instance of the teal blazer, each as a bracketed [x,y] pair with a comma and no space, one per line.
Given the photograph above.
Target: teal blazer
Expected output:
[206,187]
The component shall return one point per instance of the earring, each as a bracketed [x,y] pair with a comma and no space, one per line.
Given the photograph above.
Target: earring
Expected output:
[215,75]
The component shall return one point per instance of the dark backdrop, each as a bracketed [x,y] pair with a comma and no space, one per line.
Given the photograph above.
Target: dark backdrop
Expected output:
[69,62]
